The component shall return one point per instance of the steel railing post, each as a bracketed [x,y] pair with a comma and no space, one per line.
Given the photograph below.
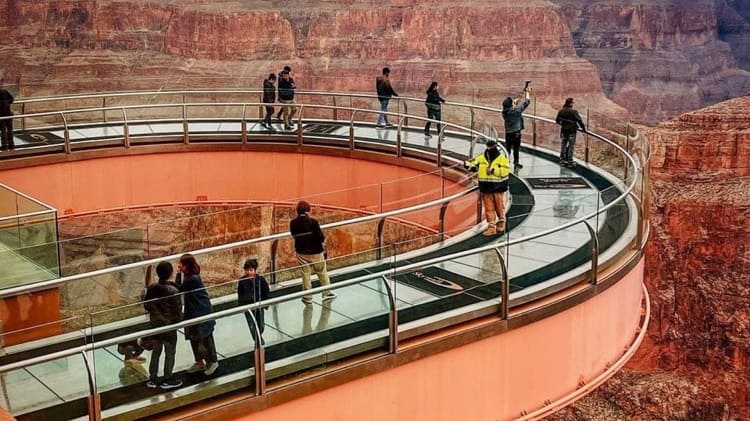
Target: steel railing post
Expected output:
[443,210]
[274,254]
[94,400]
[627,149]
[259,360]
[381,226]
[299,125]
[66,133]
[594,253]
[335,109]
[351,130]
[533,126]
[185,128]
[392,319]
[125,128]
[243,124]
[504,285]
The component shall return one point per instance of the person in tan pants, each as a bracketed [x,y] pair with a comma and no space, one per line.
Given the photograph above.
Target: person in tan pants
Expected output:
[308,244]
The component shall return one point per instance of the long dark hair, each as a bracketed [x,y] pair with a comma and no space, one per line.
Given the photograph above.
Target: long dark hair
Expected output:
[433,87]
[190,264]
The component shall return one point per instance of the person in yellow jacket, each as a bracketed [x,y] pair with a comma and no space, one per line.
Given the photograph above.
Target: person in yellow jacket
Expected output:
[493,168]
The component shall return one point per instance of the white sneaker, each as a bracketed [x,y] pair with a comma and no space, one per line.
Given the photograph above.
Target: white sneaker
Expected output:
[329,296]
[196,368]
[210,368]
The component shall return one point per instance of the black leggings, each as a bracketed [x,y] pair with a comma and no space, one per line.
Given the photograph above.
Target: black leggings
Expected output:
[513,144]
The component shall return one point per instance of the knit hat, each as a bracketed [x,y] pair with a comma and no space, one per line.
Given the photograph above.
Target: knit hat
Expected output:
[508,102]
[491,143]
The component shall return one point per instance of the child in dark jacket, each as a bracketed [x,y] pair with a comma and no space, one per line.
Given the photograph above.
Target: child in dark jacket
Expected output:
[252,288]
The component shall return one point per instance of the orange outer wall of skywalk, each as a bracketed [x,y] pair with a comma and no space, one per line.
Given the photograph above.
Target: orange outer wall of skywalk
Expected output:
[492,379]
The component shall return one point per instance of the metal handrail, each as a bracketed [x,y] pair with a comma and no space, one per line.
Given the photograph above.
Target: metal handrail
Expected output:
[9,292]
[392,272]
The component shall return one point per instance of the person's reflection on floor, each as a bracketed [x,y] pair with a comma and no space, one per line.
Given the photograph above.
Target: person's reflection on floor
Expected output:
[490,264]
[307,319]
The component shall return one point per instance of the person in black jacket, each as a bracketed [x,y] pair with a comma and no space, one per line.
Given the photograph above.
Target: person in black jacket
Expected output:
[385,92]
[513,122]
[164,307]
[252,288]
[308,244]
[197,303]
[289,70]
[569,121]
[432,103]
[286,96]
[269,97]
[6,126]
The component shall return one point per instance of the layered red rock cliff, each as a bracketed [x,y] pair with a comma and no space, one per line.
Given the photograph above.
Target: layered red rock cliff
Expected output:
[695,362]
[656,58]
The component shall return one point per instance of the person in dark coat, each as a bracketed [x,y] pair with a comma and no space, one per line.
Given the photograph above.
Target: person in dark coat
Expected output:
[432,103]
[286,96]
[287,69]
[197,303]
[6,126]
[164,307]
[569,121]
[513,121]
[269,97]
[253,288]
[385,92]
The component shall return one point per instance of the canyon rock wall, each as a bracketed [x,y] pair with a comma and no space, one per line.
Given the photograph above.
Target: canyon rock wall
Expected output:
[695,361]
[655,58]
[662,58]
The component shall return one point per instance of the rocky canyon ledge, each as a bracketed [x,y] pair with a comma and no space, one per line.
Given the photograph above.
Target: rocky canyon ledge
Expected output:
[654,58]
[693,364]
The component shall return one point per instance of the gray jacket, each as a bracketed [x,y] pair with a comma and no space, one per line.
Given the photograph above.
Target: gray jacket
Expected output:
[513,118]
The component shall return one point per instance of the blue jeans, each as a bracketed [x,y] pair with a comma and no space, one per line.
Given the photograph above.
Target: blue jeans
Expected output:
[567,145]
[433,114]
[383,117]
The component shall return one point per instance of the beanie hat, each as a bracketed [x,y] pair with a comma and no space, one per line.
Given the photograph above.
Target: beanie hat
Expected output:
[508,102]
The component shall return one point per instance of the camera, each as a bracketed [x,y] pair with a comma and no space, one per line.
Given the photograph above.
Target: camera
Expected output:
[526,87]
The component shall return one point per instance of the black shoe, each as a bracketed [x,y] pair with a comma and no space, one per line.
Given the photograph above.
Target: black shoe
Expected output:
[518,166]
[171,383]
[152,384]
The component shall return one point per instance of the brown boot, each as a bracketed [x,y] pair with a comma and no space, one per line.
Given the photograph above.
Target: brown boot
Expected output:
[490,230]
[500,227]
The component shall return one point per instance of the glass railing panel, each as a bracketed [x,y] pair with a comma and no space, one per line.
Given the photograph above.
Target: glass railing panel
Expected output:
[26,205]
[8,202]
[535,261]
[23,266]
[38,241]
[613,223]
[129,362]
[82,254]
[325,332]
[44,385]
[413,190]
[337,205]
[205,226]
